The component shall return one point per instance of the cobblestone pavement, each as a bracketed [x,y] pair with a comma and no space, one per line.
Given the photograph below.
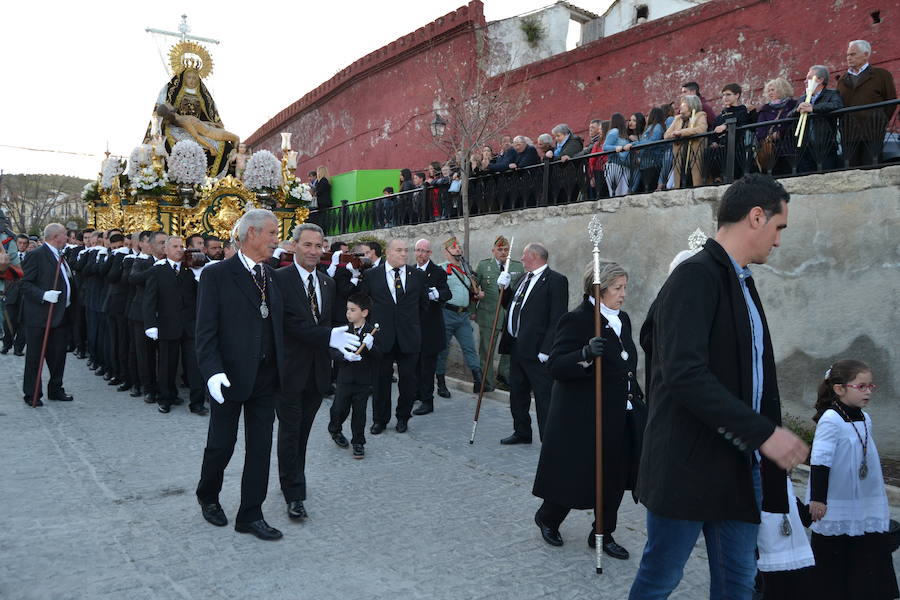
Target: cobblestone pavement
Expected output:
[98,502]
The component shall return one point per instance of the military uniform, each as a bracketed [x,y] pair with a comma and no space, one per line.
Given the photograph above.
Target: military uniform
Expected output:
[486,274]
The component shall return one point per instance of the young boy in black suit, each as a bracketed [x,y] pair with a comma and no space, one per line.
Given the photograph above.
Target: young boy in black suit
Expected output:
[354,381]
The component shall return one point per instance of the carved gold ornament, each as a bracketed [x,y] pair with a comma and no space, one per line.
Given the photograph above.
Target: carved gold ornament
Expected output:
[190,55]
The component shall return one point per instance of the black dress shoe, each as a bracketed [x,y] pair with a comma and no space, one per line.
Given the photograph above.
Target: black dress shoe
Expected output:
[163,408]
[359,451]
[91,365]
[136,392]
[297,511]
[401,425]
[214,514]
[4,350]
[376,428]
[610,547]
[150,398]
[80,355]
[61,397]
[424,408]
[260,529]
[113,381]
[178,401]
[100,372]
[340,440]
[442,390]
[200,410]
[515,439]
[38,403]
[18,353]
[551,536]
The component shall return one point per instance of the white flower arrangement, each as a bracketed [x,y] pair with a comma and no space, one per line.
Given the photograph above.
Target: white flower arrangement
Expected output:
[148,180]
[300,191]
[112,168]
[263,171]
[187,164]
[140,157]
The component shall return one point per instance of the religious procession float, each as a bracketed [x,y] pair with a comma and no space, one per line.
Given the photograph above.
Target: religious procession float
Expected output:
[191,175]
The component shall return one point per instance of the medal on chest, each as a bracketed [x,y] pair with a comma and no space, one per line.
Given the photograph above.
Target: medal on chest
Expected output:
[264,310]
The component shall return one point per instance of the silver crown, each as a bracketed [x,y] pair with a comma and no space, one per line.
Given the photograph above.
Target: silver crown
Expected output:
[696,240]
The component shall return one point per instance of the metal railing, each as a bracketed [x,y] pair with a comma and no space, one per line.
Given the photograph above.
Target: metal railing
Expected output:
[850,138]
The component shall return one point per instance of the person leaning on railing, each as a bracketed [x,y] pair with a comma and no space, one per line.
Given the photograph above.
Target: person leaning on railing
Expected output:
[775,144]
[715,152]
[688,156]
[649,160]
[523,155]
[618,173]
[862,133]
[819,144]
[567,143]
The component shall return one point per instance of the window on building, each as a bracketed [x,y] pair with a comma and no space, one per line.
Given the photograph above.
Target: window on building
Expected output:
[641,14]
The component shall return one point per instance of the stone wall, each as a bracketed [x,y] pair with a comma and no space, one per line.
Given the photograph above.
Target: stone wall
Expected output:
[831,290]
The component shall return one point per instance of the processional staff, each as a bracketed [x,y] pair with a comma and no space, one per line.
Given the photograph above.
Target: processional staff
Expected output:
[490,352]
[811,86]
[43,356]
[595,231]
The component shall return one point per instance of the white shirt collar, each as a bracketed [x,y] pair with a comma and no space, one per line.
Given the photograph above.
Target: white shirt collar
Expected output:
[605,310]
[304,274]
[537,272]
[172,263]
[390,269]
[425,266]
[248,262]
[858,72]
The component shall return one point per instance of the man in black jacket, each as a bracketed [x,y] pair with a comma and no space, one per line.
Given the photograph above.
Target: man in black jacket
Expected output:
[535,301]
[42,288]
[819,144]
[434,337]
[240,351]
[152,246]
[170,311]
[713,443]
[115,313]
[309,297]
[398,296]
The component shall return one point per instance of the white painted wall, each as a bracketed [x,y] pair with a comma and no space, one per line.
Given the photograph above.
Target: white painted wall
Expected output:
[621,15]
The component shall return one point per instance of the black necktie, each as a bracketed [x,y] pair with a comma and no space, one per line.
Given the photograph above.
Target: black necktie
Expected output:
[501,267]
[175,268]
[313,303]
[258,276]
[517,306]
[398,285]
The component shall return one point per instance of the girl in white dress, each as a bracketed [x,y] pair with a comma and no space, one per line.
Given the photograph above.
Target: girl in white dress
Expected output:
[846,495]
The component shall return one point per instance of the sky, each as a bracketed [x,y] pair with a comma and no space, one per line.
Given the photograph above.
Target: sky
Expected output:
[83,76]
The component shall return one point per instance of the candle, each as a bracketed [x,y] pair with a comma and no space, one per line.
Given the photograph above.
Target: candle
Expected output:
[291,159]
[285,141]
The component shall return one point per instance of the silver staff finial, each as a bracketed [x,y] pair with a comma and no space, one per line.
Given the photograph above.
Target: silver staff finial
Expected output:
[595,230]
[696,240]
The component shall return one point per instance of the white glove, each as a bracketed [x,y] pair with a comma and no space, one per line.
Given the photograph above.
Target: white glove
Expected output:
[351,356]
[368,340]
[122,250]
[152,333]
[52,296]
[215,385]
[433,294]
[101,251]
[353,271]
[278,252]
[341,340]
[543,357]
[503,279]
[335,258]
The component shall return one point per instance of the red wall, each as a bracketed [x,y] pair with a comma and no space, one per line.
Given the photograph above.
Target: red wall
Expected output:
[375,113]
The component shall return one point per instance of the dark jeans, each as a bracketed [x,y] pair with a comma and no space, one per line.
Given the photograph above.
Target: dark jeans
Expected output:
[259,414]
[349,396]
[730,546]
[296,411]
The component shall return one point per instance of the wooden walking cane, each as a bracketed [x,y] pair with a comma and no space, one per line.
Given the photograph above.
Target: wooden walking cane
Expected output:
[595,230]
[37,381]
[490,352]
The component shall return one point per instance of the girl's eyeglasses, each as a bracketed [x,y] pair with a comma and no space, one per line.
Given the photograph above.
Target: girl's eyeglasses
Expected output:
[863,387]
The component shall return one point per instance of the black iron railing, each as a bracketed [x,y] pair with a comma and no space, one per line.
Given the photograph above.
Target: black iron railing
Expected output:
[857,137]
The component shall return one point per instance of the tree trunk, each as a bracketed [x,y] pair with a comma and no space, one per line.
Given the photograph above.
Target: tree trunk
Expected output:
[464,198]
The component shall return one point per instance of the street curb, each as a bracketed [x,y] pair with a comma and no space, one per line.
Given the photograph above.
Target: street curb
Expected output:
[800,474]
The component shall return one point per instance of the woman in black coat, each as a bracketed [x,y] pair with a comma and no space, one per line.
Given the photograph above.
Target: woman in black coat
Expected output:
[565,476]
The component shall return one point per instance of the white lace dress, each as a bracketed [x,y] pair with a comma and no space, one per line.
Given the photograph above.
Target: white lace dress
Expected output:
[855,506]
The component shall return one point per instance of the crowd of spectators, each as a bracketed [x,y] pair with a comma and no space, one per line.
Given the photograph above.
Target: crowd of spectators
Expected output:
[629,153]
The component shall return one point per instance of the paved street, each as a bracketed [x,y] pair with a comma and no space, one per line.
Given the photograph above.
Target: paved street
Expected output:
[98,502]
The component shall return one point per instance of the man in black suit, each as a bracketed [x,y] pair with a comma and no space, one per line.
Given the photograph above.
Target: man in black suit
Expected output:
[41,288]
[115,313]
[434,338]
[152,248]
[398,296]
[309,297]
[170,310]
[536,301]
[240,350]
[713,446]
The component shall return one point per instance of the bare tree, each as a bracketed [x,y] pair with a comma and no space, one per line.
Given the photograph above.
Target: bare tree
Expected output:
[476,109]
[30,200]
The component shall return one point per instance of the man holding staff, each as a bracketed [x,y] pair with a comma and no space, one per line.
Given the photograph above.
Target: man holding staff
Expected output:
[48,291]
[486,273]
[714,451]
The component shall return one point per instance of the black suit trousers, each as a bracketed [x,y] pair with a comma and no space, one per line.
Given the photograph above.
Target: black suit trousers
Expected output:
[425,371]
[55,358]
[296,412]
[349,396]
[169,351]
[14,331]
[259,415]
[145,357]
[525,377]
[407,385]
[118,341]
